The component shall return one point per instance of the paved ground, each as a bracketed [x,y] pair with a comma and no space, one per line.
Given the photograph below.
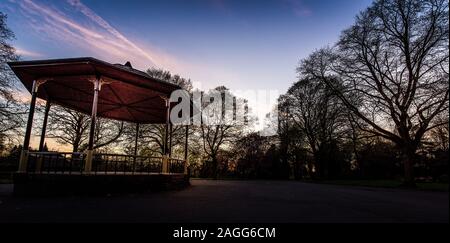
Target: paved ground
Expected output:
[236,201]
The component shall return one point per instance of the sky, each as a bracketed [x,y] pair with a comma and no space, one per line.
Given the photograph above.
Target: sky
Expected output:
[244,45]
[239,44]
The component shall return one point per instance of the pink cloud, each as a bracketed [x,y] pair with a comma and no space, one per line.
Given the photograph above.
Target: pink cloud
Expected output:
[28,53]
[95,36]
[91,33]
[106,26]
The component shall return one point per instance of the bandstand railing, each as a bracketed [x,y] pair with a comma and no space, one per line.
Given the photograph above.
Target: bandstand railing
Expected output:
[176,165]
[102,163]
[55,162]
[120,163]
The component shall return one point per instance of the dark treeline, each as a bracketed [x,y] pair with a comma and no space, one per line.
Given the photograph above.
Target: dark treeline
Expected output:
[373,105]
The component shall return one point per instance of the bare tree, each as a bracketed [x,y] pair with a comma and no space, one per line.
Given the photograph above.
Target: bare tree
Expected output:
[152,135]
[440,134]
[165,75]
[11,111]
[250,152]
[319,114]
[68,127]
[72,128]
[394,59]
[218,132]
[284,131]
[107,132]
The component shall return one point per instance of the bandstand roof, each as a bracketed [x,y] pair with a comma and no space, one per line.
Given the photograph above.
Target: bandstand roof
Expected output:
[127,94]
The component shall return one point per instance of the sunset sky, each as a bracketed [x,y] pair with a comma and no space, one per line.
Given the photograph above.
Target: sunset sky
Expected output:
[240,44]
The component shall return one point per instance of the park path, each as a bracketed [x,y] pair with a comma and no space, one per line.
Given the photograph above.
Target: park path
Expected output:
[236,201]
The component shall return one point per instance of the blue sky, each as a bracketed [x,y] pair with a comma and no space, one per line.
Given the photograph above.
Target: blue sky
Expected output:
[241,44]
[246,45]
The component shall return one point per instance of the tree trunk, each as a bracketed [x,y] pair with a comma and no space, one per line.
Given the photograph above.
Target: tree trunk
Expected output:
[75,148]
[317,165]
[76,143]
[409,156]
[296,168]
[284,159]
[215,167]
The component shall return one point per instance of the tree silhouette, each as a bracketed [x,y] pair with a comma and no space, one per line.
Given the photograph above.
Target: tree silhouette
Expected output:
[394,60]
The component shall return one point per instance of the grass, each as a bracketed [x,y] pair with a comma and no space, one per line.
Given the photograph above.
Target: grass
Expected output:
[425,186]
[433,186]
[5,177]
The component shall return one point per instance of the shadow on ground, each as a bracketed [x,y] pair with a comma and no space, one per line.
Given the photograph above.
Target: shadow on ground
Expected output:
[236,201]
